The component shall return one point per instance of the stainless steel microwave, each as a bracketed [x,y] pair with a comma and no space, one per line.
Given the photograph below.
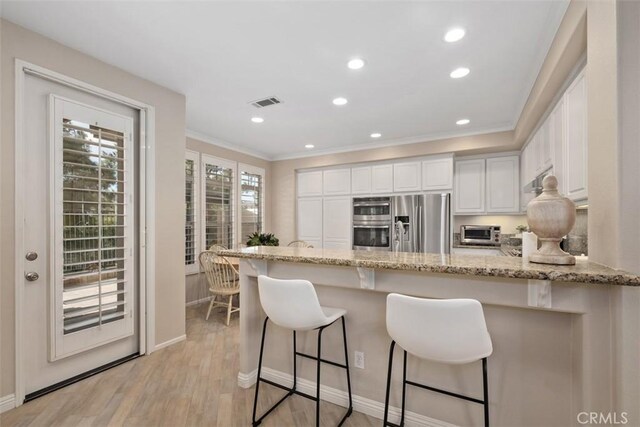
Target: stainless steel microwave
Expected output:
[480,235]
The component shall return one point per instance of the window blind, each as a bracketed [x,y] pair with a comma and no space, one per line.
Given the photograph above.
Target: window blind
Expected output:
[190,213]
[95,246]
[218,205]
[251,203]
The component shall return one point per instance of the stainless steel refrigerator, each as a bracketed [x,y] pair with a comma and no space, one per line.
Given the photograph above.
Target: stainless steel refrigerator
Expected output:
[421,223]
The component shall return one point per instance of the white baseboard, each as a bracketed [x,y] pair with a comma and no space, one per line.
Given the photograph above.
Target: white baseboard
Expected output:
[247,380]
[7,402]
[170,342]
[198,301]
[361,404]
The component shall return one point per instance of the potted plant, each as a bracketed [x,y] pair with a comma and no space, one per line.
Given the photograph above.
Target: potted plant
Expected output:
[521,229]
[262,239]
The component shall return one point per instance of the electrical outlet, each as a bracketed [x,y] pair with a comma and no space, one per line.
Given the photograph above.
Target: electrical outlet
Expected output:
[359,359]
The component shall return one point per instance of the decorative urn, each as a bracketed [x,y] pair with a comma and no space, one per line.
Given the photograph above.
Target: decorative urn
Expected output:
[551,216]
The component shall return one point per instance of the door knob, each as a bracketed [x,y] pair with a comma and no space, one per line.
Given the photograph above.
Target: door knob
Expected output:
[32,276]
[31,256]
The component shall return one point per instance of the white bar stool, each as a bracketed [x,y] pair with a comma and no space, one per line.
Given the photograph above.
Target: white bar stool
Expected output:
[293,304]
[450,331]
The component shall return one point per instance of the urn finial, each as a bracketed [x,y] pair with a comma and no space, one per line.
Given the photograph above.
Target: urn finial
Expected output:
[551,216]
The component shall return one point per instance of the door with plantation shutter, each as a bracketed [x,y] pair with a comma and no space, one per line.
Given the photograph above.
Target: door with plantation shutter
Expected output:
[80,179]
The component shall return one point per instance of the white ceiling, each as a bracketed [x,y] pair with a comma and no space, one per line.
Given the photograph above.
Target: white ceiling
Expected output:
[222,55]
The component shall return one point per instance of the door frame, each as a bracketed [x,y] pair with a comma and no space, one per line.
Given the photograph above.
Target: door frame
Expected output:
[146,240]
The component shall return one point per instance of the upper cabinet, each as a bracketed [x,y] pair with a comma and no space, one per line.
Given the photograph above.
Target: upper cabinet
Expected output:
[437,173]
[503,184]
[575,151]
[561,143]
[469,186]
[336,182]
[407,176]
[361,180]
[309,184]
[382,178]
[488,185]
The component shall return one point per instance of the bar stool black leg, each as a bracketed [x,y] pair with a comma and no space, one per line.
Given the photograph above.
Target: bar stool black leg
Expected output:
[295,371]
[318,377]
[255,399]
[404,386]
[485,389]
[346,363]
[386,399]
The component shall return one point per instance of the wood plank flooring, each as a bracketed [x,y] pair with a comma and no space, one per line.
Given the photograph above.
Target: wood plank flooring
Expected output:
[193,383]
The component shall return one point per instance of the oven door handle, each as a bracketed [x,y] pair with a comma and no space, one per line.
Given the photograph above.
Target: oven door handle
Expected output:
[371,204]
[370,226]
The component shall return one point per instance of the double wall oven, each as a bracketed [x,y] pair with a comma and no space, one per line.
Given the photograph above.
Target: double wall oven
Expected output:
[372,223]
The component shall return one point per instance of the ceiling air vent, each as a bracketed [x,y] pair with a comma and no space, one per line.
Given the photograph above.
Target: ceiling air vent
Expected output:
[272,100]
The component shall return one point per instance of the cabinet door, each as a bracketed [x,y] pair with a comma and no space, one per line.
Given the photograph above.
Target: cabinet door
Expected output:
[382,179]
[469,186]
[336,228]
[437,174]
[336,182]
[309,183]
[557,144]
[575,151]
[546,141]
[309,221]
[406,176]
[361,180]
[503,184]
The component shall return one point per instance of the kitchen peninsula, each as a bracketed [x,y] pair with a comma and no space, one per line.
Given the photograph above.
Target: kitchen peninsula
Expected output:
[550,327]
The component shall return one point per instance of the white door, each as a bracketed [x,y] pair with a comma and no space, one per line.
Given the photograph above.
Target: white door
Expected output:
[575,159]
[336,223]
[78,183]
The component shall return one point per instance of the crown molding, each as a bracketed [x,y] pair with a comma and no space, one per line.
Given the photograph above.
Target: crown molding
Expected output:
[391,143]
[228,145]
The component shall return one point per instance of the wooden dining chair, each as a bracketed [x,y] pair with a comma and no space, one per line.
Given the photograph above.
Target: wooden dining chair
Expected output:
[224,281]
[300,244]
[217,248]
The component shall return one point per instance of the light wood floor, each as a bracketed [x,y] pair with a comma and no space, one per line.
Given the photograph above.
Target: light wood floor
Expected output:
[192,383]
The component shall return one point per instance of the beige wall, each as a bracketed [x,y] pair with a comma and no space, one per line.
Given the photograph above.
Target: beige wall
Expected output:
[169,106]
[196,286]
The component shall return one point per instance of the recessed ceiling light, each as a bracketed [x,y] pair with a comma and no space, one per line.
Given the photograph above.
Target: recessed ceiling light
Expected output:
[376,135]
[257,119]
[463,122]
[355,64]
[459,72]
[340,101]
[454,34]
[309,146]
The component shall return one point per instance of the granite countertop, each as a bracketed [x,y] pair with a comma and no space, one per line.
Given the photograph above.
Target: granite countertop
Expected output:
[474,265]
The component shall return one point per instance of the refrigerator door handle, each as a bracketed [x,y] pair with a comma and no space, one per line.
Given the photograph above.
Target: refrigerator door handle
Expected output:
[419,220]
[443,222]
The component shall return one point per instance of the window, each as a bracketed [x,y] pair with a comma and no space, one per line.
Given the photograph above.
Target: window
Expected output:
[191,211]
[219,194]
[218,178]
[251,200]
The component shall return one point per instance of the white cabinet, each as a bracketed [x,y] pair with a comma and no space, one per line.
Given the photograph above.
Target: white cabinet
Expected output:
[503,189]
[361,180]
[557,144]
[437,173]
[469,186]
[336,182]
[309,183]
[406,176]
[382,179]
[309,220]
[546,150]
[575,148]
[336,223]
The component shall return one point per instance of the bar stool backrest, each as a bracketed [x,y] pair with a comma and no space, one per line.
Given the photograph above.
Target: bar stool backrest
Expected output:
[292,304]
[448,331]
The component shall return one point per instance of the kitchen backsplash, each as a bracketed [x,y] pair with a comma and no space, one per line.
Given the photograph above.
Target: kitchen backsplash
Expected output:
[577,238]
